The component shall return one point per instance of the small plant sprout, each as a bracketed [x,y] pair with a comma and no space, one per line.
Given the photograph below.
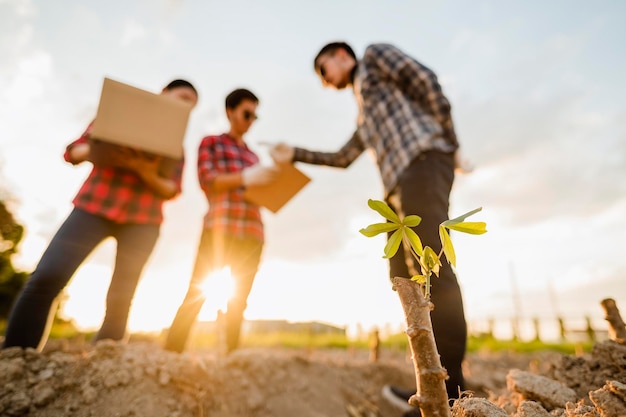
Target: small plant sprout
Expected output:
[431,396]
[428,260]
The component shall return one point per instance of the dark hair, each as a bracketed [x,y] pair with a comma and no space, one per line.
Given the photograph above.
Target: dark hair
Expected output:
[330,49]
[237,96]
[181,83]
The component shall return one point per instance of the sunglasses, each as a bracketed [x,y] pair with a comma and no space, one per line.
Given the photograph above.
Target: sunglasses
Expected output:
[321,68]
[322,71]
[249,115]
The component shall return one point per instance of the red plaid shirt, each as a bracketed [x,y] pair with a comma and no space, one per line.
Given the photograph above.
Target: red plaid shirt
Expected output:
[228,211]
[119,195]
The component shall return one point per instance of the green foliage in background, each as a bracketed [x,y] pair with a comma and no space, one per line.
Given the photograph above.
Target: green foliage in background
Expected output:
[11,281]
[399,342]
[491,344]
[303,340]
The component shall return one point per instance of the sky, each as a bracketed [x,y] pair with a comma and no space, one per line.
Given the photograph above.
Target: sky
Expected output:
[537,93]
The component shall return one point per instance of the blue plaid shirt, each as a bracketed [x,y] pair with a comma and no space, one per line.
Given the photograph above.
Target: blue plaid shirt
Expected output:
[402,112]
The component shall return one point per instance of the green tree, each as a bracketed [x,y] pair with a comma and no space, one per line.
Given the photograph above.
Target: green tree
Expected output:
[11,281]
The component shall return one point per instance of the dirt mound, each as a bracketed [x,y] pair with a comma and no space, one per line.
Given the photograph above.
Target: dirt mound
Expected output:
[585,386]
[141,379]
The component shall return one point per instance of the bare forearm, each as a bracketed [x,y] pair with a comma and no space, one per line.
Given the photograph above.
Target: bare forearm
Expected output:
[164,187]
[227,181]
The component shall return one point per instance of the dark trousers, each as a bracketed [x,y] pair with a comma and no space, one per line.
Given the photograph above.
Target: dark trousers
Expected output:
[424,190]
[31,315]
[215,251]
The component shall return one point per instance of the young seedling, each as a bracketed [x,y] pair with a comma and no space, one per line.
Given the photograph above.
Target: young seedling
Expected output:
[431,396]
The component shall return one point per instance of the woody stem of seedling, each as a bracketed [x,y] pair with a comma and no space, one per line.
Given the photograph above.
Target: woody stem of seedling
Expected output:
[431,396]
[427,273]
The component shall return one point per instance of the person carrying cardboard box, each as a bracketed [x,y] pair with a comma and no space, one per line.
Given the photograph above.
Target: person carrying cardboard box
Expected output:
[122,201]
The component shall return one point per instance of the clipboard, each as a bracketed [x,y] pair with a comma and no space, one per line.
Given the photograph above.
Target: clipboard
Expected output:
[275,195]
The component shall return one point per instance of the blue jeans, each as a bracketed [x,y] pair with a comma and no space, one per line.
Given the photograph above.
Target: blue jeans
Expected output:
[214,252]
[424,190]
[34,309]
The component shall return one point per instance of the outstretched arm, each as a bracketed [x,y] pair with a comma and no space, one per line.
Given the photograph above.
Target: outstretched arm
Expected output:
[282,153]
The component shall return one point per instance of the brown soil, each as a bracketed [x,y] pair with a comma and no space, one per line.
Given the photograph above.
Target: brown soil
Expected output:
[141,379]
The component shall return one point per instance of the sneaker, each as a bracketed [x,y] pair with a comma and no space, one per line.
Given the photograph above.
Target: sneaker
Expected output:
[399,397]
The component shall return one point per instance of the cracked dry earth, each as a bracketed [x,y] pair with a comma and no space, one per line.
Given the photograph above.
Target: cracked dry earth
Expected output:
[140,379]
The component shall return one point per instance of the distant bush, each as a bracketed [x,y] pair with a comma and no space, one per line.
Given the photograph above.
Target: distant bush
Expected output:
[490,344]
[302,340]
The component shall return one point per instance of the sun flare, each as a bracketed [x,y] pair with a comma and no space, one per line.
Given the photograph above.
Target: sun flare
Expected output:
[217,288]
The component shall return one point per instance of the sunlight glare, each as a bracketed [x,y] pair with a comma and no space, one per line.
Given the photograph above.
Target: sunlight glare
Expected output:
[217,288]
[85,296]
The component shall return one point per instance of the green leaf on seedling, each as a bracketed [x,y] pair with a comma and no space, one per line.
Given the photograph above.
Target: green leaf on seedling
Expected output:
[460,218]
[377,228]
[428,259]
[393,244]
[384,210]
[473,228]
[414,240]
[412,220]
[420,279]
[448,249]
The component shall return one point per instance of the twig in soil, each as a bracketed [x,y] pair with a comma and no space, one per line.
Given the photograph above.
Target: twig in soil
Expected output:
[617,328]
[431,396]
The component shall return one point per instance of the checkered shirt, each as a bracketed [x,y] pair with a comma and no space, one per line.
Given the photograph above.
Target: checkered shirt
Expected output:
[119,195]
[401,113]
[228,211]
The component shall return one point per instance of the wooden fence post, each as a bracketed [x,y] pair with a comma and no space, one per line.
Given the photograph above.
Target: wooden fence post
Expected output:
[536,324]
[374,345]
[617,328]
[562,330]
[515,328]
[591,334]
[490,324]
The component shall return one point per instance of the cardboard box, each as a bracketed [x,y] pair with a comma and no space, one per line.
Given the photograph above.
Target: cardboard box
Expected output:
[133,120]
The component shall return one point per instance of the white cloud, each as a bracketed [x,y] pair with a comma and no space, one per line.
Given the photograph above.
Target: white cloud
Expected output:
[543,142]
[572,162]
[21,7]
[32,74]
[132,32]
